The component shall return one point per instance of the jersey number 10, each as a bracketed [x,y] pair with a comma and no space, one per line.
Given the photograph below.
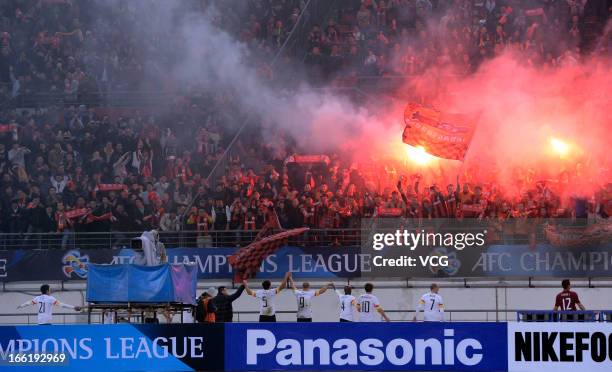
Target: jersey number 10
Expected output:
[365,307]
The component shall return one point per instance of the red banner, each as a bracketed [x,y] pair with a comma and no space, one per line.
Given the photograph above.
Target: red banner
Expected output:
[75,213]
[389,212]
[534,12]
[106,216]
[247,261]
[305,159]
[477,208]
[5,128]
[111,187]
[443,135]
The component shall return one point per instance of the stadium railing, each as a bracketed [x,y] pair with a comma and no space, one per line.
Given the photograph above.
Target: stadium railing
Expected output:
[188,238]
[397,315]
[562,316]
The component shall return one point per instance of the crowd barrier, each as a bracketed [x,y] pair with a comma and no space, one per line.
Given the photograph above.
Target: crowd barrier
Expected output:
[562,316]
[191,238]
[315,347]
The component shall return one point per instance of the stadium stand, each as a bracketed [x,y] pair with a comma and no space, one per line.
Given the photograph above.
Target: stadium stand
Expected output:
[88,158]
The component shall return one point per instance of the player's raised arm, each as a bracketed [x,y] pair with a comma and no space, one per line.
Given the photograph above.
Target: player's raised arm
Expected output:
[291,283]
[323,289]
[283,285]
[338,292]
[248,290]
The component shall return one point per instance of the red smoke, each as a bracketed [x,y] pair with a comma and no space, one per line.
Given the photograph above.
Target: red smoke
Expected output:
[522,110]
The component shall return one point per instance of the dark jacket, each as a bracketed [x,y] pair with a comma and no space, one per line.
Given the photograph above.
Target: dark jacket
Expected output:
[223,303]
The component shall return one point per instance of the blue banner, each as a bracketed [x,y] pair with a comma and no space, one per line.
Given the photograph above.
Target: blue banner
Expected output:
[367,346]
[135,283]
[116,347]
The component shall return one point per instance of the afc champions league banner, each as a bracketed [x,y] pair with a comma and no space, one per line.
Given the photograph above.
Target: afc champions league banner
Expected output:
[117,347]
[406,346]
[543,260]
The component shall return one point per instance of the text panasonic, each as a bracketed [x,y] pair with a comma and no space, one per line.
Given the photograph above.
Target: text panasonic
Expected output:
[445,350]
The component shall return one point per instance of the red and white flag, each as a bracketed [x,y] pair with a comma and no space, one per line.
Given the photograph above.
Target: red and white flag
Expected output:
[111,187]
[440,134]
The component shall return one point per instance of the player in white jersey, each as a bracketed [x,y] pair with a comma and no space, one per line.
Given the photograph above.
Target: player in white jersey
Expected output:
[369,307]
[267,310]
[303,298]
[432,306]
[348,304]
[45,303]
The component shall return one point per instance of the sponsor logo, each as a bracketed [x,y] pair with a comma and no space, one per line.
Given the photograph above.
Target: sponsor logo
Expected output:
[440,351]
[76,264]
[559,347]
[562,347]
[453,266]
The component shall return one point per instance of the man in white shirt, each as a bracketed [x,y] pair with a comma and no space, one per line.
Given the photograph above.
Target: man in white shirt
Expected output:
[45,303]
[303,297]
[348,304]
[369,306]
[266,296]
[432,306]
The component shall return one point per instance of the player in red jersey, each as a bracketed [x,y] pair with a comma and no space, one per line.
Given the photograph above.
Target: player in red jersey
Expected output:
[567,299]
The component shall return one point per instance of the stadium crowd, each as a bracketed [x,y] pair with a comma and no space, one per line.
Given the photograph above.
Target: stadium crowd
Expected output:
[91,173]
[71,168]
[77,48]
[398,37]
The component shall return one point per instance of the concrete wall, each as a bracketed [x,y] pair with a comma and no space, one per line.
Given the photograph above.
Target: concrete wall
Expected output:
[393,296]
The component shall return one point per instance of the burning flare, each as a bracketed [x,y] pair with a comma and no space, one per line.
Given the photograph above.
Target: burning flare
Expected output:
[418,155]
[559,147]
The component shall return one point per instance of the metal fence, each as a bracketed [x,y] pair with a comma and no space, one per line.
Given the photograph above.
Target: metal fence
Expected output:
[562,316]
[396,315]
[196,239]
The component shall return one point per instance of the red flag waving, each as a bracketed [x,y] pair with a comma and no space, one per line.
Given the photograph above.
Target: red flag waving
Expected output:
[443,135]
[247,261]
[111,186]
[76,213]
